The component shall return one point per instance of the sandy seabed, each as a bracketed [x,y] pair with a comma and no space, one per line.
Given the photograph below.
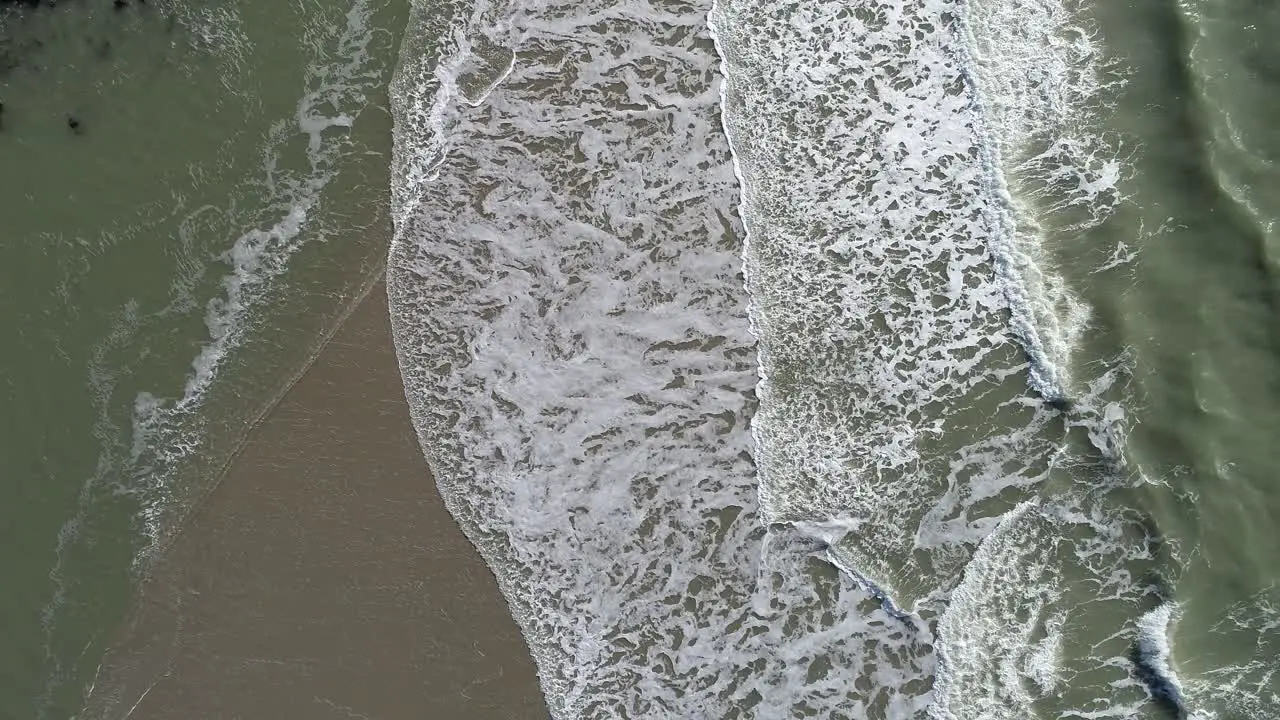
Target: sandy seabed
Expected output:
[323,578]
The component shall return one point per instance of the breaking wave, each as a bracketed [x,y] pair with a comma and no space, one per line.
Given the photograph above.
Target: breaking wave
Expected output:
[699,321]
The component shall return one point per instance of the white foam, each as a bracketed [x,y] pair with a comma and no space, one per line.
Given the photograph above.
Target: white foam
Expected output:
[1153,644]
[877,204]
[1040,85]
[1246,680]
[987,648]
[572,330]
[338,85]
[1048,577]
[166,430]
[218,31]
[568,309]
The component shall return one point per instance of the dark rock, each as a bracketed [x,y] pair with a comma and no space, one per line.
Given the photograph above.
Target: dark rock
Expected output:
[74,124]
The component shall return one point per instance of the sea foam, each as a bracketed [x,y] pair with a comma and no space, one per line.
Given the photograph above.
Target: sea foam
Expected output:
[890,260]
[339,82]
[569,312]
[1153,657]
[144,459]
[582,362]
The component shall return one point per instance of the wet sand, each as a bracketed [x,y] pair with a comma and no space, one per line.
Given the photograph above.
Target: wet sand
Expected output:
[323,577]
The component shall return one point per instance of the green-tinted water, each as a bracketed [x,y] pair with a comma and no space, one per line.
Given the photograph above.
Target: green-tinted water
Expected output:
[1180,359]
[191,195]
[1202,320]
[165,168]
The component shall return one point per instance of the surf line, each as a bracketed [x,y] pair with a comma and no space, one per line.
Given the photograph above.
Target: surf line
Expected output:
[829,533]
[826,533]
[1045,378]
[1152,661]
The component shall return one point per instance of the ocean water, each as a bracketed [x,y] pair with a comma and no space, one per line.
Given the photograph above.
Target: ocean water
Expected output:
[910,359]
[874,360]
[189,206]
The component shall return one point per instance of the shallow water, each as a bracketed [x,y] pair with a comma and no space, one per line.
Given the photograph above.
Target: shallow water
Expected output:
[784,359]
[166,167]
[974,242]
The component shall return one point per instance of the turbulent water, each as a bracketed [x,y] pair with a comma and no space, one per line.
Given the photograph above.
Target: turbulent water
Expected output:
[183,223]
[890,359]
[774,353]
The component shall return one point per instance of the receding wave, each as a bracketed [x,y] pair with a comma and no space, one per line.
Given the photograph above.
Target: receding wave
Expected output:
[143,455]
[890,261]
[572,326]
[1153,658]
[737,347]
[338,86]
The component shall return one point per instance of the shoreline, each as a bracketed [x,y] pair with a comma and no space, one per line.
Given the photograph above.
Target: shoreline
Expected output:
[321,574]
